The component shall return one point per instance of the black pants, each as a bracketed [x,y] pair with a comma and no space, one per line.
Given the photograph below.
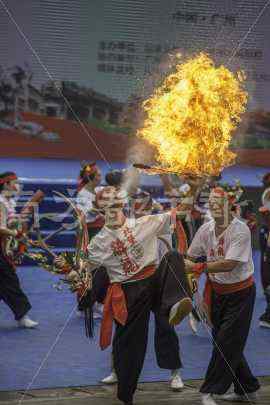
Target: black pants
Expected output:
[166,344]
[157,293]
[265,278]
[166,340]
[10,290]
[265,268]
[231,317]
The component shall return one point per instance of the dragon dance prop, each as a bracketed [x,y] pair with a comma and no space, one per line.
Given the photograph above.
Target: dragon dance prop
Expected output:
[191,117]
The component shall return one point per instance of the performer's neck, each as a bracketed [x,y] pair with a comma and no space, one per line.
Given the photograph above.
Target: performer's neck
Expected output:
[221,223]
[114,219]
[90,187]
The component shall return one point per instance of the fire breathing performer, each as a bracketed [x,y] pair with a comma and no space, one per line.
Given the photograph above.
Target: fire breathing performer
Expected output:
[127,247]
[10,289]
[141,203]
[225,241]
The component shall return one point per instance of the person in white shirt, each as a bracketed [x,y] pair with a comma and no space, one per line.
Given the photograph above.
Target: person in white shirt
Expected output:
[226,243]
[10,289]
[89,182]
[127,247]
[166,340]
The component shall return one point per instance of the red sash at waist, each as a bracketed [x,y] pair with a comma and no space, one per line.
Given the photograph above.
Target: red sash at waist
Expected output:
[115,307]
[223,289]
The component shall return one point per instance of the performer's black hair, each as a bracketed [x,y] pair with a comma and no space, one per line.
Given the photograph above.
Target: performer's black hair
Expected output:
[3,175]
[114,178]
[266,179]
[247,207]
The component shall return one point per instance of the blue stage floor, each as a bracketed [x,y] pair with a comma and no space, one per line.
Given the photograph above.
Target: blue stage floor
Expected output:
[58,354]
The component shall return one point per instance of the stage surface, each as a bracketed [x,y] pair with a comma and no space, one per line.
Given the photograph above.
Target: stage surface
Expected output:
[58,354]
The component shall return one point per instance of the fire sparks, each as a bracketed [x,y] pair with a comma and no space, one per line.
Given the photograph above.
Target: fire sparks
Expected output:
[191,117]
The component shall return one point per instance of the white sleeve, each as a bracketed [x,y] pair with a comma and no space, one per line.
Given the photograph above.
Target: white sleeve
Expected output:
[95,253]
[197,247]
[240,247]
[84,203]
[158,224]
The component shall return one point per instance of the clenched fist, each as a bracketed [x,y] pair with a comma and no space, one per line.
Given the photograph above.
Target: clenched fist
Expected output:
[60,262]
[73,277]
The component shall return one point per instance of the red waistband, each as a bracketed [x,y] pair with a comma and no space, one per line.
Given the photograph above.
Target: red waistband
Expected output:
[223,289]
[115,306]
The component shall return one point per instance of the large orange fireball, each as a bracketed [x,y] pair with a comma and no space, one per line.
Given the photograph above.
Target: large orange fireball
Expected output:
[191,117]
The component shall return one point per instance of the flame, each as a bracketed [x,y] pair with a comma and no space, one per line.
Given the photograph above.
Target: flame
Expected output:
[190,118]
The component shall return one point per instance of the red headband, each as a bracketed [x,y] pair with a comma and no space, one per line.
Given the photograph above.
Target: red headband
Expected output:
[219,191]
[8,178]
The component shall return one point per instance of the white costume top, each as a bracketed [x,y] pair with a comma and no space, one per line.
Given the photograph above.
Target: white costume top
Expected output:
[233,244]
[127,250]
[84,202]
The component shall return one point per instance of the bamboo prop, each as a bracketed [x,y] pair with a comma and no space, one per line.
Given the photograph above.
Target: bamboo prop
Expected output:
[158,170]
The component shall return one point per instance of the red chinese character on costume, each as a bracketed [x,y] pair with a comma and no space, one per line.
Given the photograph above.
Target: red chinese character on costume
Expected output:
[130,237]
[118,247]
[221,247]
[128,266]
